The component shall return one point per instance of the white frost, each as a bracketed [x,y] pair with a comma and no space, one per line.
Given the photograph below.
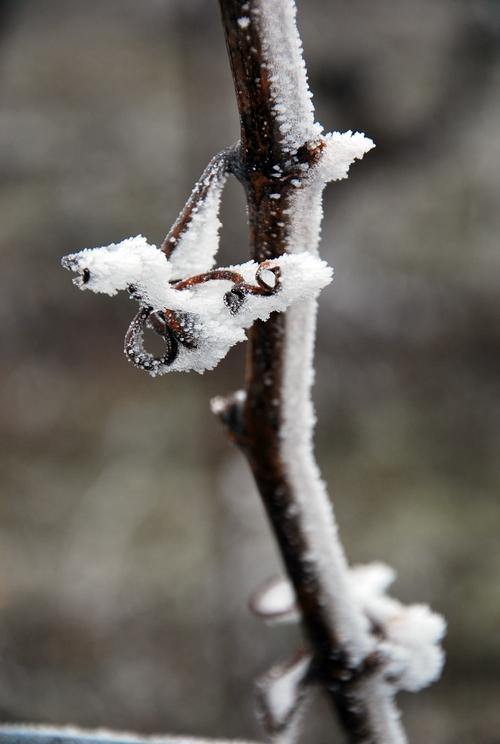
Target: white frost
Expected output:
[281,695]
[282,49]
[341,150]
[410,635]
[197,247]
[324,553]
[113,268]
[293,106]
[275,602]
[413,655]
[295,113]
[370,580]
[135,263]
[377,697]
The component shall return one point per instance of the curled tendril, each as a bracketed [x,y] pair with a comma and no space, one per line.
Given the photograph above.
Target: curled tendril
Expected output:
[268,288]
[180,328]
[236,296]
[134,341]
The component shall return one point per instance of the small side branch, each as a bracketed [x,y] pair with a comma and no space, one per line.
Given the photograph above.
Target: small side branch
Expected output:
[216,170]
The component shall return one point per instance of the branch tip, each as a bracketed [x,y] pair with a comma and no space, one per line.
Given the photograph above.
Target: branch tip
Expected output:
[229,410]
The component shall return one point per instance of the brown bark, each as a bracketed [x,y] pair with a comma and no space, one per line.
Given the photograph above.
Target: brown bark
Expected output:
[255,422]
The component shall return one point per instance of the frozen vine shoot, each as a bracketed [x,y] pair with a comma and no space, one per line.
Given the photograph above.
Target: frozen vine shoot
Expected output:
[362,645]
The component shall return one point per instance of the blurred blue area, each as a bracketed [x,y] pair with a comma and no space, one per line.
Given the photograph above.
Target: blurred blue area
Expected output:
[45,735]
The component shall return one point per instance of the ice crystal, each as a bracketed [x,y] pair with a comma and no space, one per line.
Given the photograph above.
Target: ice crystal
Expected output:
[410,635]
[203,309]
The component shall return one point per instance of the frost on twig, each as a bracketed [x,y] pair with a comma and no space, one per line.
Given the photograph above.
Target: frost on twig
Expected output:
[281,696]
[199,317]
[193,240]
[274,602]
[200,313]
[410,635]
[406,637]
[282,142]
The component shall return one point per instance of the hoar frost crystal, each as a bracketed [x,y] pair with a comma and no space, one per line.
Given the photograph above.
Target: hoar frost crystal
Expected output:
[200,312]
[199,317]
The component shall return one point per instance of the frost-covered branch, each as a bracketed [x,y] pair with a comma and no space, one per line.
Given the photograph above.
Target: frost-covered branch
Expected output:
[192,242]
[363,646]
[282,695]
[409,636]
[285,162]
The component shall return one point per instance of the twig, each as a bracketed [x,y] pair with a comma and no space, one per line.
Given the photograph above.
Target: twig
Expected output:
[216,170]
[273,423]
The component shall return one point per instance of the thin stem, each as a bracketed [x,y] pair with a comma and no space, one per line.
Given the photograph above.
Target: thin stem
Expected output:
[217,167]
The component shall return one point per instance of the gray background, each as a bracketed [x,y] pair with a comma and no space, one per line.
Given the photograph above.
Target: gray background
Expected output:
[130,531]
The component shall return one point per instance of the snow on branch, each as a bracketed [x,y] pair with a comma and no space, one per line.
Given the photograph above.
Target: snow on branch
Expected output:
[292,104]
[275,602]
[281,695]
[356,657]
[199,317]
[410,635]
[282,50]
[193,240]
[407,636]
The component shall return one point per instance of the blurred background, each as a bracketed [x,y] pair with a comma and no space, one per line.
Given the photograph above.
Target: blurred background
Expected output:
[130,531]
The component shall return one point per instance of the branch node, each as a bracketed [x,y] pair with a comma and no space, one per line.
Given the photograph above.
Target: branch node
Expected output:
[229,409]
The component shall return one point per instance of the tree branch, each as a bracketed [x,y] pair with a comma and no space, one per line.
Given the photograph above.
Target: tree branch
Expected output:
[273,422]
[364,645]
